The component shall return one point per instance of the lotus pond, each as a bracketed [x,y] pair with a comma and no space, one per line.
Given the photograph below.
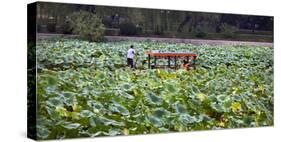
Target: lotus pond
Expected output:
[85,89]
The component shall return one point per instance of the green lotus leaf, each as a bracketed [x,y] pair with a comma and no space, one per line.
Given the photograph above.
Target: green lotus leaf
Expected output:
[162,129]
[97,105]
[218,107]
[68,95]
[115,107]
[221,98]
[86,113]
[186,119]
[180,108]
[55,102]
[114,132]
[58,61]
[71,126]
[153,99]
[155,121]
[161,112]
[93,122]
[52,80]
[126,95]
[126,86]
[107,122]
[171,88]
[43,133]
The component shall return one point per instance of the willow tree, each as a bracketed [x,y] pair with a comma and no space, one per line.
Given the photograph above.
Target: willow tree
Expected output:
[206,21]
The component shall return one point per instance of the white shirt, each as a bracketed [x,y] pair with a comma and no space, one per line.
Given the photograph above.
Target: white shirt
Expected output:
[131,53]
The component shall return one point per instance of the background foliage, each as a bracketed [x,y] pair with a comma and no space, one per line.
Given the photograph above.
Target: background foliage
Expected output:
[161,23]
[87,25]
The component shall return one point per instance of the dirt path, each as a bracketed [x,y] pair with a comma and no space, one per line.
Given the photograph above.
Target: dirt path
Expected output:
[171,40]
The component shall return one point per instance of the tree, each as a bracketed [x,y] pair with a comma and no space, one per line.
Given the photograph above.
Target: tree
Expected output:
[199,20]
[183,23]
[87,25]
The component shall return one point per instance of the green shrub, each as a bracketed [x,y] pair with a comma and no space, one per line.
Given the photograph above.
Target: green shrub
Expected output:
[139,30]
[107,21]
[200,31]
[200,34]
[51,27]
[227,30]
[158,30]
[66,28]
[128,29]
[112,31]
[41,28]
[87,25]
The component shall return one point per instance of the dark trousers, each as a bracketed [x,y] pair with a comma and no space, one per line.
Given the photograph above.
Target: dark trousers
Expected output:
[130,62]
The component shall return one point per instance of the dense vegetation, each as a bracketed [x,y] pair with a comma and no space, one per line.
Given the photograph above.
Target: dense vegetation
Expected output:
[85,89]
[52,17]
[87,25]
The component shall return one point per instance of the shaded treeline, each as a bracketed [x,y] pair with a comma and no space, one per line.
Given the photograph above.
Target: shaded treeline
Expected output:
[52,17]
